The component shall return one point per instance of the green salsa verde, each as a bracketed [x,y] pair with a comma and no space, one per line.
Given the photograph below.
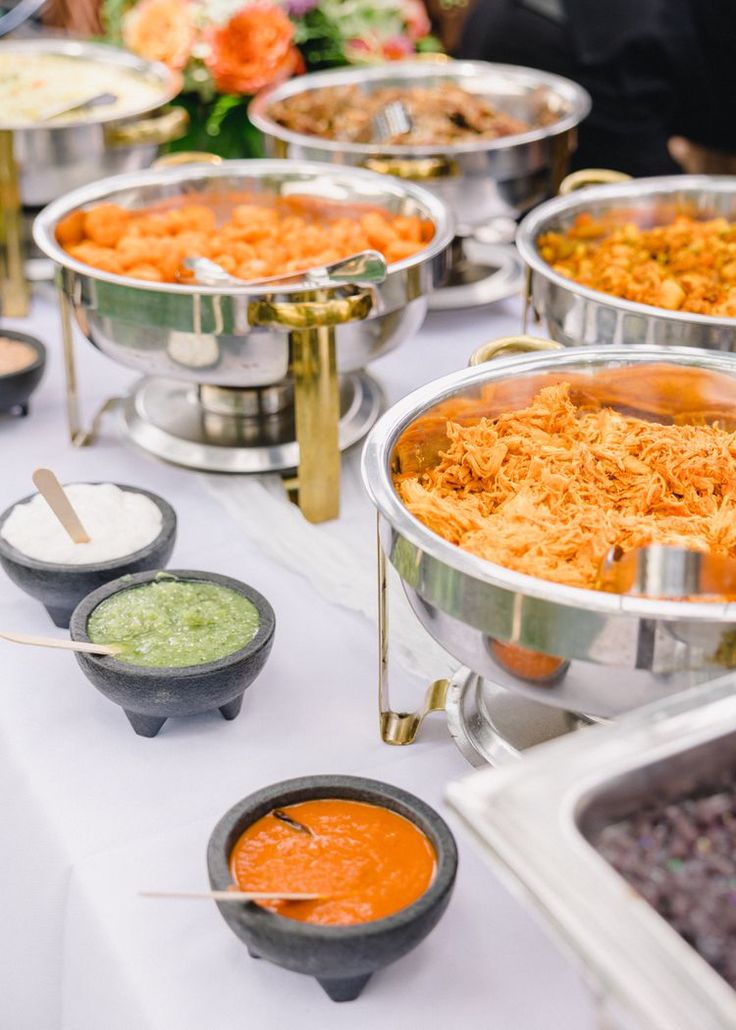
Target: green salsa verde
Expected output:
[171,623]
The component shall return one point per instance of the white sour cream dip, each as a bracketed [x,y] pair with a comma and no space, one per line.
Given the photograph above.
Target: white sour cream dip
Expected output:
[117,521]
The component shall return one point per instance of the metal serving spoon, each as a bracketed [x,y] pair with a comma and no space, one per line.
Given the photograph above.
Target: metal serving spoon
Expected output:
[392,120]
[663,571]
[367,268]
[99,100]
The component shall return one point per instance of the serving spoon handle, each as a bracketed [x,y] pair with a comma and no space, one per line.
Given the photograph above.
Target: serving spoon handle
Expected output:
[86,647]
[366,268]
[233,895]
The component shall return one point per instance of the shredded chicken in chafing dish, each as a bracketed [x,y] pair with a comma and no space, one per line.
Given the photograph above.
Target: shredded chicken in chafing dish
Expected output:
[548,489]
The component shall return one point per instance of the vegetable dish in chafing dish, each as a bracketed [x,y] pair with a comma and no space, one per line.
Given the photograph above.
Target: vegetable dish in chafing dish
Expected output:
[687,265]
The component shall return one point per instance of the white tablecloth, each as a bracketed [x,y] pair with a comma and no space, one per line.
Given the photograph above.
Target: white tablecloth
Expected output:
[92,813]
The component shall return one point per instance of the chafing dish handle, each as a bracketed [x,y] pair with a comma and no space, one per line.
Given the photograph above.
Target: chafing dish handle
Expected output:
[311,314]
[511,345]
[169,125]
[311,326]
[590,177]
[418,169]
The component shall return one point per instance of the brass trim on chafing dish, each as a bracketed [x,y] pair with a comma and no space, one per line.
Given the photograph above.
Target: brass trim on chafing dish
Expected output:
[166,125]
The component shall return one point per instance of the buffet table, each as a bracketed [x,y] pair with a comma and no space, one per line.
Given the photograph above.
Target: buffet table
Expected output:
[93,813]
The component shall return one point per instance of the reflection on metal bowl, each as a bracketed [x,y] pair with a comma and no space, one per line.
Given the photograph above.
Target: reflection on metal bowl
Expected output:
[649,647]
[574,314]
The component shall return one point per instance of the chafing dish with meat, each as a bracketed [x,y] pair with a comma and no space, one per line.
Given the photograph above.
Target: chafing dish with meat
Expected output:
[487,176]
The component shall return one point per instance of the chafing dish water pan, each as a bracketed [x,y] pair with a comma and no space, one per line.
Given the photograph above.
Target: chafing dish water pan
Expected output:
[535,819]
[623,650]
[574,314]
[238,376]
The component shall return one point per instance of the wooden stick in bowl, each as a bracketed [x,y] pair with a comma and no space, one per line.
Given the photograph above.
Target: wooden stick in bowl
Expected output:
[66,645]
[234,895]
[55,496]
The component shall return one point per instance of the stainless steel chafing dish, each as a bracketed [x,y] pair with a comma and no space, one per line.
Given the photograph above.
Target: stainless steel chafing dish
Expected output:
[574,314]
[481,181]
[535,820]
[623,650]
[42,161]
[53,159]
[232,369]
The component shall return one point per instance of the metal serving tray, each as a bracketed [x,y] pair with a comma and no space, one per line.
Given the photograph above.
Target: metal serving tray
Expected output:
[533,819]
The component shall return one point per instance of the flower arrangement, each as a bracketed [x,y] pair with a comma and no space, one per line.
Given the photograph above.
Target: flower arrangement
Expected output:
[227,50]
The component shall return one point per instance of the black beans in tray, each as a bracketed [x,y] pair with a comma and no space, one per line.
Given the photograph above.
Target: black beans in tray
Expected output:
[681,856]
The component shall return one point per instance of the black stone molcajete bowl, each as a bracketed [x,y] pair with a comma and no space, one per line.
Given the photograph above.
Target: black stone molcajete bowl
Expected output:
[17,387]
[341,958]
[60,588]
[150,696]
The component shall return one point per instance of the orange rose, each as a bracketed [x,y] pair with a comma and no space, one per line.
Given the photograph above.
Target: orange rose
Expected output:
[252,50]
[161,30]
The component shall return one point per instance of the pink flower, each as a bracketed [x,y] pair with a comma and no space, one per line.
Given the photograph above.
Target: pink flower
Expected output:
[417,21]
[396,48]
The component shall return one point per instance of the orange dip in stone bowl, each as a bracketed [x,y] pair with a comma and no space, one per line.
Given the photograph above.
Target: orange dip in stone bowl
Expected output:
[367,861]
[383,861]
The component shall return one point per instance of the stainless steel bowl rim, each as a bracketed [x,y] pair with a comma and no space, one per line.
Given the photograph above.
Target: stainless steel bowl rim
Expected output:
[376,474]
[170,80]
[541,220]
[46,221]
[580,104]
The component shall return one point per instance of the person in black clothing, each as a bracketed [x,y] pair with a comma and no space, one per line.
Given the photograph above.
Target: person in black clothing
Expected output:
[660,73]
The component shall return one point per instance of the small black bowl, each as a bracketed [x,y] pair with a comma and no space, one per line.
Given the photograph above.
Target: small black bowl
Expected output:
[341,958]
[150,696]
[17,387]
[60,588]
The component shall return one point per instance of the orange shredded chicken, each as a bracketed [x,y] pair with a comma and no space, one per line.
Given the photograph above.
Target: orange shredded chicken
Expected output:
[685,266]
[548,489]
[260,237]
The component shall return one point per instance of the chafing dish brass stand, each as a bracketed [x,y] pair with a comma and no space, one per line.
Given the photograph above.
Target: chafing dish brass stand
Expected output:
[403,727]
[13,286]
[398,727]
[313,366]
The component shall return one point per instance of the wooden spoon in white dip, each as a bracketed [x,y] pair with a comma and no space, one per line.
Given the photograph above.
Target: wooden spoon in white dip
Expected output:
[53,493]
